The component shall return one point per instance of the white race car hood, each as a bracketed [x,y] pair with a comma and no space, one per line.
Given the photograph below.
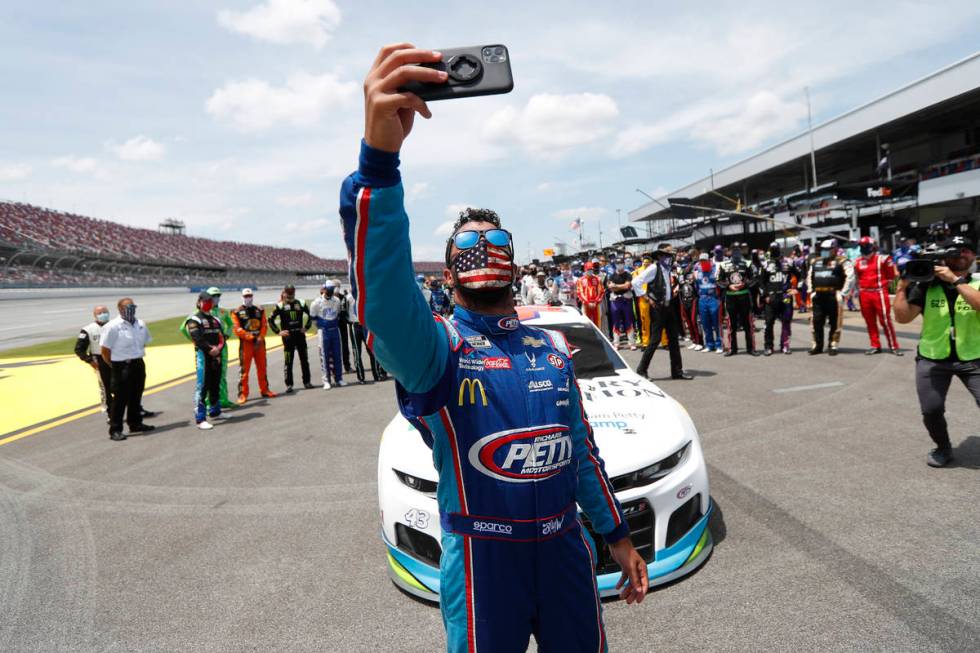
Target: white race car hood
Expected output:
[635,424]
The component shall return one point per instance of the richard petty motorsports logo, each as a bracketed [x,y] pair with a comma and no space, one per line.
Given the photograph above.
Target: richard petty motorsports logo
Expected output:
[523,455]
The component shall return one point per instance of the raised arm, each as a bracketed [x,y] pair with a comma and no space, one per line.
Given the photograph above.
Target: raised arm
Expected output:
[402,331]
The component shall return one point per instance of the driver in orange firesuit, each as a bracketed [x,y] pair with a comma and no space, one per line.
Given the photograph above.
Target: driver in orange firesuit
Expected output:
[250,326]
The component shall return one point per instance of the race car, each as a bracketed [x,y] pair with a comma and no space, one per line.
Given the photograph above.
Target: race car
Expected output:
[647,439]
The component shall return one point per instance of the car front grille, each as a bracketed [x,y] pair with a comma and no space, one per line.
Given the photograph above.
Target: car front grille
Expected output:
[683,519]
[417,544]
[641,520]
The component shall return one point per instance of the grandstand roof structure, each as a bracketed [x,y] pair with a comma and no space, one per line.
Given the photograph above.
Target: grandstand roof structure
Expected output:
[927,131]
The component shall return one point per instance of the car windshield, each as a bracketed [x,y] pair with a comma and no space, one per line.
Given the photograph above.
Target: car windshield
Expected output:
[592,355]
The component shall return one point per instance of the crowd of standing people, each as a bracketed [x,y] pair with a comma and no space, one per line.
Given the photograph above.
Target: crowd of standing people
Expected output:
[708,298]
[115,349]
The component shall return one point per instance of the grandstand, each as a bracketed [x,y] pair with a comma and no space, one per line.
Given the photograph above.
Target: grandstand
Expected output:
[888,169]
[45,248]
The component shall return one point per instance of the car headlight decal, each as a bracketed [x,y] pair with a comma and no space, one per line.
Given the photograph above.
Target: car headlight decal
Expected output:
[422,485]
[650,473]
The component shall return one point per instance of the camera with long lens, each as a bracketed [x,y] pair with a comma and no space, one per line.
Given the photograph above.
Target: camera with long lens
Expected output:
[922,269]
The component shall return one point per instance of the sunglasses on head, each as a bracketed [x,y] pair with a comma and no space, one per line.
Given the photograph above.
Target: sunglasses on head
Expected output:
[470,237]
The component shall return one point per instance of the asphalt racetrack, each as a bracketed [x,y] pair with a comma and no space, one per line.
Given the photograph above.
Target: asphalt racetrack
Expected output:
[262,535]
[57,313]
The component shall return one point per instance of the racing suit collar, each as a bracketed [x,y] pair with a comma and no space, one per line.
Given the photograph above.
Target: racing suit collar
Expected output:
[488,324]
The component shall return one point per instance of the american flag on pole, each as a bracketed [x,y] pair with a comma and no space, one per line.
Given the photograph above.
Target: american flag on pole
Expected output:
[484,268]
[576,224]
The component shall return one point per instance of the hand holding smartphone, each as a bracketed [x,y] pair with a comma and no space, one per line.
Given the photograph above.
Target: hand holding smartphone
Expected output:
[471,71]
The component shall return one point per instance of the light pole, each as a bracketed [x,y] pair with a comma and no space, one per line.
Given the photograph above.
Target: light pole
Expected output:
[646,194]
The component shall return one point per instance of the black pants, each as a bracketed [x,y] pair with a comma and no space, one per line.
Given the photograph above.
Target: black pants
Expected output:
[663,317]
[779,307]
[826,308]
[377,372]
[295,343]
[345,334]
[738,308]
[105,386]
[932,379]
[127,381]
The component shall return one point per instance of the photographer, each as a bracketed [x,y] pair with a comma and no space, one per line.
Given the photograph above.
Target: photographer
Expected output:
[949,344]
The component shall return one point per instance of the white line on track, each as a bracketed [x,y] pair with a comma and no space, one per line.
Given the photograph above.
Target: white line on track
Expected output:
[816,386]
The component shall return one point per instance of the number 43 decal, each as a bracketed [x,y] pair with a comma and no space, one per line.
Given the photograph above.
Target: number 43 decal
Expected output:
[417,518]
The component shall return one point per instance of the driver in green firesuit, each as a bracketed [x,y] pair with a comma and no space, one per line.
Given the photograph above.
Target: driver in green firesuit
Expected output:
[227,328]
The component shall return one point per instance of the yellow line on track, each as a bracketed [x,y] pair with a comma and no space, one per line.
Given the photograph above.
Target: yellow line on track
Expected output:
[160,387]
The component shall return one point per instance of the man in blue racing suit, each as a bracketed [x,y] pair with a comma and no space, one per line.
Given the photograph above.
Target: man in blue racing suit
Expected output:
[496,400]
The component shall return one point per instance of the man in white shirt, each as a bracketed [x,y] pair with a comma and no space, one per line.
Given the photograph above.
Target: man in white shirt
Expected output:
[123,342]
[655,285]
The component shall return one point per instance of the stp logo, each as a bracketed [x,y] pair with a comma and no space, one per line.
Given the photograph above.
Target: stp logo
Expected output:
[556,361]
[523,455]
[508,323]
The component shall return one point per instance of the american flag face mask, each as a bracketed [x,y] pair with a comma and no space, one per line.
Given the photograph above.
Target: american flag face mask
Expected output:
[485,259]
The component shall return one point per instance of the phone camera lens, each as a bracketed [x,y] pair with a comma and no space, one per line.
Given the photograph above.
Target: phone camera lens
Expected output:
[487,52]
[497,50]
[495,59]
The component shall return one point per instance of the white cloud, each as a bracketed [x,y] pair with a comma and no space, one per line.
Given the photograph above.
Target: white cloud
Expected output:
[315,225]
[254,105]
[444,228]
[452,214]
[550,124]
[303,199]
[76,164]
[729,126]
[14,171]
[763,116]
[416,191]
[310,22]
[139,148]
[584,212]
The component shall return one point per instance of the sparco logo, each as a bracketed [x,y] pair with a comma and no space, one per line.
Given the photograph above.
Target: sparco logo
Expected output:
[523,455]
[552,525]
[492,527]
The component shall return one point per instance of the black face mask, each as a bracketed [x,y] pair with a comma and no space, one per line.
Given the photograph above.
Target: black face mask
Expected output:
[867,249]
[328,292]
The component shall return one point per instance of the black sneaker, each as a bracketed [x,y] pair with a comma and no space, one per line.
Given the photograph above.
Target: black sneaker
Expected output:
[833,351]
[873,351]
[939,457]
[683,376]
[289,389]
[815,351]
[142,428]
[767,352]
[147,413]
[730,353]
[754,353]
[308,386]
[898,352]
[118,436]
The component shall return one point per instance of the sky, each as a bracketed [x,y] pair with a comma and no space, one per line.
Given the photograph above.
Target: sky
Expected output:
[242,117]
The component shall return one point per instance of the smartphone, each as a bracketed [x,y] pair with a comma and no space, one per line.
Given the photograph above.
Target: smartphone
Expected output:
[477,70]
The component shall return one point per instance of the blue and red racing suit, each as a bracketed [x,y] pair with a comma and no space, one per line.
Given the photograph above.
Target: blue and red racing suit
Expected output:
[498,403]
